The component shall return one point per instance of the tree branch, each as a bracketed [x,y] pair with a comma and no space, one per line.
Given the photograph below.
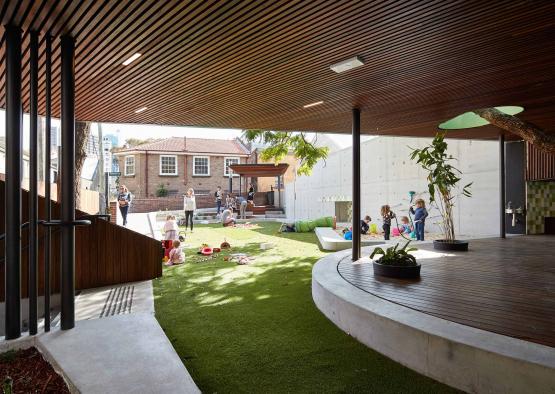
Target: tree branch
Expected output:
[525,130]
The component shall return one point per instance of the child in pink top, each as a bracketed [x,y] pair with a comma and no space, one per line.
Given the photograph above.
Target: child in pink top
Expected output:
[176,254]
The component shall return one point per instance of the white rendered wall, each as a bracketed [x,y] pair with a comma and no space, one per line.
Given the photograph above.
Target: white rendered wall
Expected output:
[387,174]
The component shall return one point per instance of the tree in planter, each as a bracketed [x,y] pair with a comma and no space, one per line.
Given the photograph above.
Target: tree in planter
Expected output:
[442,178]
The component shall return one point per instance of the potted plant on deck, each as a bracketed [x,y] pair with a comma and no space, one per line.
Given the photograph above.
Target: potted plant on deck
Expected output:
[396,263]
[443,180]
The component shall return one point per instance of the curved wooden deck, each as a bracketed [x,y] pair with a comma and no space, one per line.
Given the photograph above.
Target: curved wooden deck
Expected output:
[506,286]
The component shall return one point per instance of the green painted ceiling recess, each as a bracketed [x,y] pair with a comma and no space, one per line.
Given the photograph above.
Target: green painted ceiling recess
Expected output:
[470,119]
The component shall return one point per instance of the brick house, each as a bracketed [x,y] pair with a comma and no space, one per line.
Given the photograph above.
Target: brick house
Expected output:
[179,163]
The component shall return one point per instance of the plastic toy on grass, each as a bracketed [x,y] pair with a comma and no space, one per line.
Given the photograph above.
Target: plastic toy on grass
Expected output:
[373,228]
[395,232]
[306,226]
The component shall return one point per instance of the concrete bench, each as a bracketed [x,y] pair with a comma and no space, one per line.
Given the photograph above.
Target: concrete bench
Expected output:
[330,240]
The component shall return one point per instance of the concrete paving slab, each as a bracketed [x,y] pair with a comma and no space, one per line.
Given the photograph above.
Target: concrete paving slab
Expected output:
[119,354]
[135,297]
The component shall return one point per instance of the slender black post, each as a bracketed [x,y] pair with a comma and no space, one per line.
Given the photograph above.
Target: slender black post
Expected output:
[47,180]
[33,180]
[14,145]
[230,182]
[502,229]
[279,191]
[356,184]
[68,182]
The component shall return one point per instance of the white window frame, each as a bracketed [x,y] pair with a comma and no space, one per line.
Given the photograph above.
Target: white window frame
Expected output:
[167,173]
[194,166]
[225,164]
[127,173]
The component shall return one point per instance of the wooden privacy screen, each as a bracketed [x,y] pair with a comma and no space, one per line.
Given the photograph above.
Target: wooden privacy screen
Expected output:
[106,254]
[540,166]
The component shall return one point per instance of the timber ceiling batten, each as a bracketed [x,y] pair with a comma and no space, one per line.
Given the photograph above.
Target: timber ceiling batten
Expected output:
[255,64]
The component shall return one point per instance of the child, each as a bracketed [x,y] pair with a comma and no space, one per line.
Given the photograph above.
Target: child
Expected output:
[387,215]
[405,228]
[176,254]
[420,215]
[364,226]
[170,228]
[227,218]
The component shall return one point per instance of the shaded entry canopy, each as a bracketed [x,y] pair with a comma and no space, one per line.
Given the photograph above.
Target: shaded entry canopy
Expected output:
[260,170]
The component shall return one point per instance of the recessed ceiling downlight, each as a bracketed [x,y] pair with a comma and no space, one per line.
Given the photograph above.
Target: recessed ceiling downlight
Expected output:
[131,59]
[348,64]
[140,110]
[469,120]
[313,104]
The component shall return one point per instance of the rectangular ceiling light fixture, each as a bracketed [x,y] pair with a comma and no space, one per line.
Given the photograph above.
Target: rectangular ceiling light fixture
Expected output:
[348,64]
[140,110]
[313,104]
[132,59]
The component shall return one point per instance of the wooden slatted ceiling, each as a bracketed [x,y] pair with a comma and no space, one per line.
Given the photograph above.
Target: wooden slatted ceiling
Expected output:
[254,64]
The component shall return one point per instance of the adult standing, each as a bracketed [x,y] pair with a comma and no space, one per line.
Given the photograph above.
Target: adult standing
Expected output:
[189,204]
[219,195]
[242,207]
[124,199]
[250,195]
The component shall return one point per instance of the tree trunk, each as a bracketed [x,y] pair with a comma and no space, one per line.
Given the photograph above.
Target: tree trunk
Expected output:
[527,131]
[82,132]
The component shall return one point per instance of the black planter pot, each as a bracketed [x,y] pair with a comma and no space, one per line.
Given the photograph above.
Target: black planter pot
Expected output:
[458,246]
[395,271]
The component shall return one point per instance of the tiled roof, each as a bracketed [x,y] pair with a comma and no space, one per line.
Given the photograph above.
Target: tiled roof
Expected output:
[192,145]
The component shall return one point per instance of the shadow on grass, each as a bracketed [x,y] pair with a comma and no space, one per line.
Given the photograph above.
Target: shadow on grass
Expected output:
[254,328]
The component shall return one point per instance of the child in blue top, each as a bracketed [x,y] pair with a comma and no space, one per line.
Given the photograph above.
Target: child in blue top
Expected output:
[420,215]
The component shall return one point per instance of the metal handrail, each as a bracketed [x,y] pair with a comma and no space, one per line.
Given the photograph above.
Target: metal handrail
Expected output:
[84,220]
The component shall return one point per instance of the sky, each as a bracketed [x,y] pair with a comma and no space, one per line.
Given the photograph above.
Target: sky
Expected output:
[125,131]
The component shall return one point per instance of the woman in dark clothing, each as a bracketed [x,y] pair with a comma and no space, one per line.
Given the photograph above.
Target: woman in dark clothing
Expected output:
[250,195]
[124,199]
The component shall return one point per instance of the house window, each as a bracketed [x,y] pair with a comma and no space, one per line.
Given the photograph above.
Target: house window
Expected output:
[129,165]
[168,165]
[201,166]
[229,161]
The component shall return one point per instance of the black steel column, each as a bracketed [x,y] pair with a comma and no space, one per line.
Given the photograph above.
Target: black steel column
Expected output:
[502,229]
[68,182]
[47,180]
[356,184]
[33,180]
[14,145]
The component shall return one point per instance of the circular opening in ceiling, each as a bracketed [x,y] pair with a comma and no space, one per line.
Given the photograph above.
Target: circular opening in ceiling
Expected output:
[469,120]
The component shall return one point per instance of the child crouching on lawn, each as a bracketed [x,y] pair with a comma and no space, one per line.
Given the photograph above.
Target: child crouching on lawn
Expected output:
[170,228]
[176,255]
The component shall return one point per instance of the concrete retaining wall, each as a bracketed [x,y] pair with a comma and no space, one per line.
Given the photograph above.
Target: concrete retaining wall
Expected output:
[388,174]
[467,358]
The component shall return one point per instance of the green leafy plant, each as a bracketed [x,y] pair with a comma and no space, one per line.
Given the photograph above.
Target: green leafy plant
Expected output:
[397,257]
[7,385]
[443,179]
[280,143]
[161,191]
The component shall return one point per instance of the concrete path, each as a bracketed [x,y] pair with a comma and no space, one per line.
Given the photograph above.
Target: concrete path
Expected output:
[119,299]
[119,354]
[143,223]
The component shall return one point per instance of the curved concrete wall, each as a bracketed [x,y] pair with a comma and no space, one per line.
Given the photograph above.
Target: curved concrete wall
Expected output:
[469,359]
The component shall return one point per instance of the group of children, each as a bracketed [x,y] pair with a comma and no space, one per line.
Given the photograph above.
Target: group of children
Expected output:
[419,211]
[176,255]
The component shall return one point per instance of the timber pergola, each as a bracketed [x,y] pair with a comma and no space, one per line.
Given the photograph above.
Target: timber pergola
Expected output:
[260,65]
[263,170]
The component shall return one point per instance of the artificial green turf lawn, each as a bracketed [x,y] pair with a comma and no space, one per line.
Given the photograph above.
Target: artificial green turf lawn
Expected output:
[255,329]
